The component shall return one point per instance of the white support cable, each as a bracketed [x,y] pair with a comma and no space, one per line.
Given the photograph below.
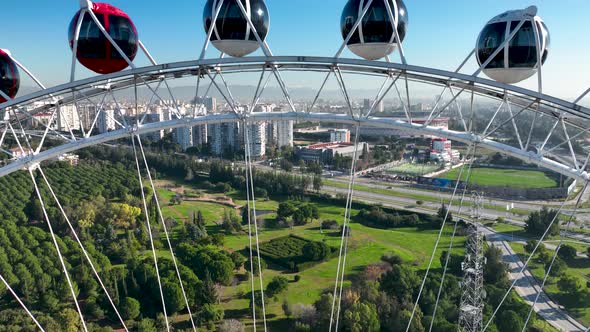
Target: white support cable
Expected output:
[340,80]
[582,96]
[253,199]
[256,93]
[21,303]
[405,107]
[377,102]
[153,62]
[75,46]
[99,109]
[46,131]
[86,255]
[549,134]
[267,52]
[377,97]
[230,102]
[447,259]
[149,105]
[510,119]
[524,266]
[394,26]
[539,55]
[459,110]
[346,228]
[548,271]
[353,30]
[61,259]
[250,243]
[507,102]
[210,32]
[118,109]
[530,136]
[149,227]
[569,143]
[317,96]
[571,138]
[231,96]
[166,231]
[434,251]
[440,96]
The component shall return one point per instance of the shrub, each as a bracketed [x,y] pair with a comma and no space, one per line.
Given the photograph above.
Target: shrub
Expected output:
[567,252]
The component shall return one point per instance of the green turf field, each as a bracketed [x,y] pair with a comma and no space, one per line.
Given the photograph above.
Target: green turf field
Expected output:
[414,169]
[504,177]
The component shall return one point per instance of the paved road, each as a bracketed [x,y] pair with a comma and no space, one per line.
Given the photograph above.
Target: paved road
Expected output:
[404,202]
[528,286]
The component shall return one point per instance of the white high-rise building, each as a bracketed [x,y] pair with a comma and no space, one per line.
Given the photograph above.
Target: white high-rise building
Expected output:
[284,133]
[183,136]
[257,139]
[223,136]
[106,121]
[67,118]
[154,117]
[209,102]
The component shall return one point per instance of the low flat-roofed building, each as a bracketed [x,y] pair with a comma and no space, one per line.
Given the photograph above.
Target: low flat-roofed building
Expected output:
[325,152]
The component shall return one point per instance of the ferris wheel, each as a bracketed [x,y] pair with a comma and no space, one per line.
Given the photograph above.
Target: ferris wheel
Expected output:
[510,48]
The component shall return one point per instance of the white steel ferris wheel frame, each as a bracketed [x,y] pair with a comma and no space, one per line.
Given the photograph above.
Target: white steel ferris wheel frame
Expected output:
[573,114]
[565,113]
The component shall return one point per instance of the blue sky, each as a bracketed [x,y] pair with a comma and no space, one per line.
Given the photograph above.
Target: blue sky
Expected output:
[441,33]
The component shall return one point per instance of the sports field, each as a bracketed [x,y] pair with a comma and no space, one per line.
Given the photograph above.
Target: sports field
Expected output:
[414,169]
[504,177]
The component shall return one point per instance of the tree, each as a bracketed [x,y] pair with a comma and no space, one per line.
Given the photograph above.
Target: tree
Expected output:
[361,317]
[530,246]
[567,252]
[130,308]
[255,264]
[121,215]
[286,165]
[173,297]
[538,221]
[317,183]
[69,320]
[569,284]
[146,325]
[400,281]
[495,270]
[238,259]
[558,267]
[276,286]
[509,321]
[315,251]
[443,213]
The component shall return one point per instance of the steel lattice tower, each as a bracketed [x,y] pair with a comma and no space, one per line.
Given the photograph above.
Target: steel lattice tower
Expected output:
[473,293]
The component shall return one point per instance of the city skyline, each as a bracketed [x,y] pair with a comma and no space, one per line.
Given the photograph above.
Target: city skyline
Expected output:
[178,35]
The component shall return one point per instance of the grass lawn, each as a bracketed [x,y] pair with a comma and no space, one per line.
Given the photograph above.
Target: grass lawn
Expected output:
[577,305]
[366,246]
[486,176]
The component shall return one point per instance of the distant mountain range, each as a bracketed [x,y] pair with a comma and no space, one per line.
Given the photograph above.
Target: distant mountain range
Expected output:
[244,93]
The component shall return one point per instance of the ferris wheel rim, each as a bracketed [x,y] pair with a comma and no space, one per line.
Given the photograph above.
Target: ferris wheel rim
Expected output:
[193,67]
